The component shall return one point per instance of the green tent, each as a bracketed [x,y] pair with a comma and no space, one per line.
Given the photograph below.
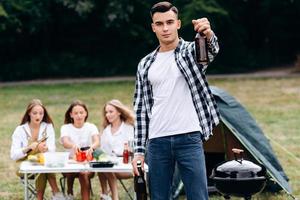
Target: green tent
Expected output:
[238,129]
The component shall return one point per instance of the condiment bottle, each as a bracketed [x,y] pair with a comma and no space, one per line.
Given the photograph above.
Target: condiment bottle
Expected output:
[130,149]
[125,153]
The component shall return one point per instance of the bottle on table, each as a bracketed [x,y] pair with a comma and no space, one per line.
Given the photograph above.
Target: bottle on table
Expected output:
[201,49]
[125,153]
[131,149]
[140,183]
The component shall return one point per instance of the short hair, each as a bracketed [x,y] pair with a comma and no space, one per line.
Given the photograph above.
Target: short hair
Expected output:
[163,6]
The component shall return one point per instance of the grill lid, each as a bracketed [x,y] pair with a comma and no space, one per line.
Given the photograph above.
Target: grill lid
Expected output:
[239,168]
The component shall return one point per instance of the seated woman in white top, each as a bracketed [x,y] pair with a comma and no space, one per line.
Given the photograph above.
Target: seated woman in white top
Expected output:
[77,133]
[36,124]
[118,123]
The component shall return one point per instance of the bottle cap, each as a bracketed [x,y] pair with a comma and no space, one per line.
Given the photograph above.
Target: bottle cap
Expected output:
[126,145]
[139,163]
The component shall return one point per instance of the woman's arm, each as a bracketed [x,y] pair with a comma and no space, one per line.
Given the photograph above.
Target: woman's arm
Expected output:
[96,142]
[19,146]
[68,144]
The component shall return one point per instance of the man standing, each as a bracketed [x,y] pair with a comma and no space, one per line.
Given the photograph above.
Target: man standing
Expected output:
[174,106]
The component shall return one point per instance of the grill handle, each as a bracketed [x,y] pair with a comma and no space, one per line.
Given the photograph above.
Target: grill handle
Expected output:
[237,152]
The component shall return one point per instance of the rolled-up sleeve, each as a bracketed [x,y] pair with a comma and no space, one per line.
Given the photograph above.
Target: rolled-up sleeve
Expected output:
[213,48]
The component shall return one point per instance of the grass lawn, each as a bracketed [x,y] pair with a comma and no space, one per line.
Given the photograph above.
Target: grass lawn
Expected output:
[274,103]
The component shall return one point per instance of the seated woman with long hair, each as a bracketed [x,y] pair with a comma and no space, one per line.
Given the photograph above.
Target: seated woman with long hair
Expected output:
[36,125]
[118,121]
[75,134]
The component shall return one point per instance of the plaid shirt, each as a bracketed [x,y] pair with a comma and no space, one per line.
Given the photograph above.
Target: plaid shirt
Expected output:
[194,75]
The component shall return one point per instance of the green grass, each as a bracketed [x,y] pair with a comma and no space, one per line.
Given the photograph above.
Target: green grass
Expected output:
[274,103]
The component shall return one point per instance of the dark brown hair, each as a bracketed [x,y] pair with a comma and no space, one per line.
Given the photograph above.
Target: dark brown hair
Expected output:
[68,118]
[32,103]
[163,6]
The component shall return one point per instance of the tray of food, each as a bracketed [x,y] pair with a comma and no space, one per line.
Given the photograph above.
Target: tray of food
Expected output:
[100,164]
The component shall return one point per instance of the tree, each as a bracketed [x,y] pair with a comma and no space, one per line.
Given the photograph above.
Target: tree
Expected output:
[73,38]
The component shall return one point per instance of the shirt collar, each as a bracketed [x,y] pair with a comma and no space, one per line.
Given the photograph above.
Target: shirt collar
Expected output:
[118,131]
[154,53]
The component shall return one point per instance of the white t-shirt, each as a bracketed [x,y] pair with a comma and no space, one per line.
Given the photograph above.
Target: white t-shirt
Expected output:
[82,137]
[20,139]
[114,143]
[173,111]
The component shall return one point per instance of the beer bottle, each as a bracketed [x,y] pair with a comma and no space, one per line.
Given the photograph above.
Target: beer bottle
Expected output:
[201,49]
[140,183]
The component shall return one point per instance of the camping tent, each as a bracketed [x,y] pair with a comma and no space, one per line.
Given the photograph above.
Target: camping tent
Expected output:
[239,130]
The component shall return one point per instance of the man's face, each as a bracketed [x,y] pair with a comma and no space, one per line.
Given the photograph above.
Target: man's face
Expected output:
[165,25]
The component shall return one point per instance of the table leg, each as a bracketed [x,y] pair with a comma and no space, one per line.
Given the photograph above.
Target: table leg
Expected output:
[25,186]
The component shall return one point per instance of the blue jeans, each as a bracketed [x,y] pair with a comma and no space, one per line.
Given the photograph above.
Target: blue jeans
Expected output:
[187,151]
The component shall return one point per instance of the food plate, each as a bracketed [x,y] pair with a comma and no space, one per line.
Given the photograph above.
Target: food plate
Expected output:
[99,164]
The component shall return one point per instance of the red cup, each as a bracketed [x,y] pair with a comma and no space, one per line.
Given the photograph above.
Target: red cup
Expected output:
[80,156]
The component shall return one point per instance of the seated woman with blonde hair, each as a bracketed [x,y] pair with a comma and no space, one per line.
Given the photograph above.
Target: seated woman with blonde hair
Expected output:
[118,121]
[36,125]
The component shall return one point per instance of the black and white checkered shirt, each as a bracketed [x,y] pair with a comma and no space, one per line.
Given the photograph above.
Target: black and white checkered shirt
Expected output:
[194,75]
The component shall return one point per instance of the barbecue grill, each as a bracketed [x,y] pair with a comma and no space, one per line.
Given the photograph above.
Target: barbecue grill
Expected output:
[239,177]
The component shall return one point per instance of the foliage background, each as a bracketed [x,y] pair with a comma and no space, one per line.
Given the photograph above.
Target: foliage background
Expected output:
[88,38]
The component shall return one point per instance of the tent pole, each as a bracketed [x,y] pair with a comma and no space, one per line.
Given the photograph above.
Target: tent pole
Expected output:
[224,140]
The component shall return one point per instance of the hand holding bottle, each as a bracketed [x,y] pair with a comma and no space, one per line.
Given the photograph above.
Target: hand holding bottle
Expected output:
[134,163]
[140,183]
[202,26]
